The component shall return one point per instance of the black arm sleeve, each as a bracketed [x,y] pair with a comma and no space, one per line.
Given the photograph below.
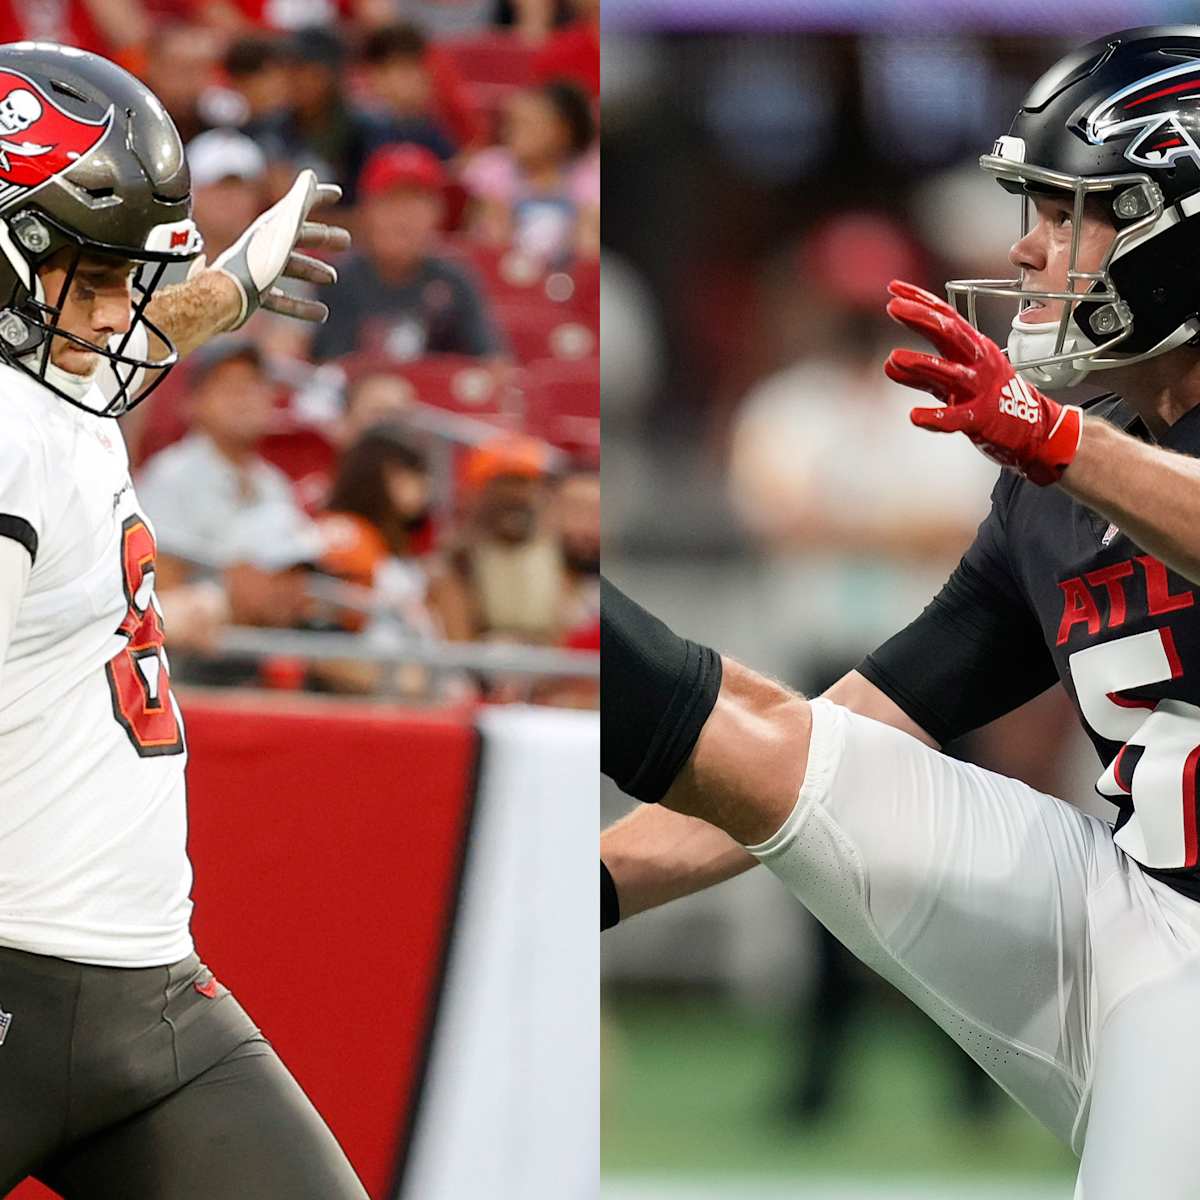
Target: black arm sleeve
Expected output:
[656,692]
[610,904]
[976,652]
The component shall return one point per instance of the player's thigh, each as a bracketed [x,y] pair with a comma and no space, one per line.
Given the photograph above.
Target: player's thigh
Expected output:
[243,1130]
[38,996]
[965,889]
[1141,1138]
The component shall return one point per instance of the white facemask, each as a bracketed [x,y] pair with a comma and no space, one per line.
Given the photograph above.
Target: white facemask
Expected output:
[1030,340]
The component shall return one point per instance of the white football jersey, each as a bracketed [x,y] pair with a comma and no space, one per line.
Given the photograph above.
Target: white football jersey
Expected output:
[93,860]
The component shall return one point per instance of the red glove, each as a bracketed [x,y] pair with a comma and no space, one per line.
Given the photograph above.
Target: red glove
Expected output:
[1008,419]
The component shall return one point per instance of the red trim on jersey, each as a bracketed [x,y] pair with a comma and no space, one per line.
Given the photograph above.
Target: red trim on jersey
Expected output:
[1189,808]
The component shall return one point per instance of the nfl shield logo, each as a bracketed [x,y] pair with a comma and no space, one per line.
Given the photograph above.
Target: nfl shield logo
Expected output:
[1110,533]
[5,1022]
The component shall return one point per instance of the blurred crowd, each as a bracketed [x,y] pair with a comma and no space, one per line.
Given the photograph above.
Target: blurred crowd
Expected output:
[424,466]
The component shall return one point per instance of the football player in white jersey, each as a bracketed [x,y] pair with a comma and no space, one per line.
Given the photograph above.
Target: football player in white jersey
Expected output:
[126,1069]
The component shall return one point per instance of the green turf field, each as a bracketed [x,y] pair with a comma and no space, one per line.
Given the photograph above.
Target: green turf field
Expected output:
[693,1088]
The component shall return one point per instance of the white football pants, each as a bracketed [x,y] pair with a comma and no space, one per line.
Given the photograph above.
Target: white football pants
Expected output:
[1014,921]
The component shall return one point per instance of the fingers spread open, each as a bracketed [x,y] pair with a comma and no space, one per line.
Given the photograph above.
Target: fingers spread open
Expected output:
[909,291]
[315,236]
[295,306]
[943,420]
[325,193]
[938,376]
[312,270]
[953,336]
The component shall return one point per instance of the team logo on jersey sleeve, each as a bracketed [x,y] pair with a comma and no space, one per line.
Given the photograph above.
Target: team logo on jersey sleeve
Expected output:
[38,140]
[1148,112]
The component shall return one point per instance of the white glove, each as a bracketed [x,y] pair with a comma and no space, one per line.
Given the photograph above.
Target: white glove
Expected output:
[267,251]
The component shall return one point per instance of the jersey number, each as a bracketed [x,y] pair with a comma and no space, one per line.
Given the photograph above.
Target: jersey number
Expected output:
[1156,766]
[137,676]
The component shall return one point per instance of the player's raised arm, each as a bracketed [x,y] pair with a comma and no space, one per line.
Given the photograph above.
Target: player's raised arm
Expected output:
[244,278]
[1149,491]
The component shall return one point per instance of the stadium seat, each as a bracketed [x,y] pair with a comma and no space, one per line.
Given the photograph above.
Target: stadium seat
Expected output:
[506,274]
[562,403]
[578,288]
[307,457]
[488,100]
[494,57]
[453,382]
[541,329]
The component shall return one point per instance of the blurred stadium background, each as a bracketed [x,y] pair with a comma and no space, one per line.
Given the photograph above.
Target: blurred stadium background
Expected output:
[768,167]
[378,564]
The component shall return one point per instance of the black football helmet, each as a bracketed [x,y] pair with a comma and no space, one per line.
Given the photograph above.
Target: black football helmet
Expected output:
[90,161]
[1119,119]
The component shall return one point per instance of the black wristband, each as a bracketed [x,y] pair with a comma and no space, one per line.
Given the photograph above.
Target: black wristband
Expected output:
[656,693]
[610,906]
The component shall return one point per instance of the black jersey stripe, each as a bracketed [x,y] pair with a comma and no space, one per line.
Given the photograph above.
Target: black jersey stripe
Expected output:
[21,531]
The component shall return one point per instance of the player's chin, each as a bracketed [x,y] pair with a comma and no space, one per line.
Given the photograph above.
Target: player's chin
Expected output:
[77,361]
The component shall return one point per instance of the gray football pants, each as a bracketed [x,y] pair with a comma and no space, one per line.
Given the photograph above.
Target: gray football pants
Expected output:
[133,1083]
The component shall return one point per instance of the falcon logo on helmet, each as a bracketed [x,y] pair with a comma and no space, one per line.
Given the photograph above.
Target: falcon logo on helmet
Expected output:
[1159,136]
[38,140]
[1113,132]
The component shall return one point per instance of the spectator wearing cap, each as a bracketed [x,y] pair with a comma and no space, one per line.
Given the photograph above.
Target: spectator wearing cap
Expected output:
[508,563]
[540,189]
[395,295]
[220,510]
[322,128]
[420,93]
[229,174]
[230,187]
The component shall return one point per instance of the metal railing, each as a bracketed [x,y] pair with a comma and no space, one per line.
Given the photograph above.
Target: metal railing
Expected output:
[485,658]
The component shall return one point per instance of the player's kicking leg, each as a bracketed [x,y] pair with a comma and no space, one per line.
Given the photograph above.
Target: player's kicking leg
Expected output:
[243,1130]
[995,908]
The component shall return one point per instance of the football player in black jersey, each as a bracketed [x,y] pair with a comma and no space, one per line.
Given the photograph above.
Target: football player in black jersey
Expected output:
[1061,952]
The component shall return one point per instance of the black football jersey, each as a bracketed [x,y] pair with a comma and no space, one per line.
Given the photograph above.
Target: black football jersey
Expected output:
[1051,591]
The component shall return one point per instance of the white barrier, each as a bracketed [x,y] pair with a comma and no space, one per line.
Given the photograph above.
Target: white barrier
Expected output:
[510,1106]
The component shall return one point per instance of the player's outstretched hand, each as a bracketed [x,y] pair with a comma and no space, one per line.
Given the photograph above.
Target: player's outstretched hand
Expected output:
[270,249]
[1008,419]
